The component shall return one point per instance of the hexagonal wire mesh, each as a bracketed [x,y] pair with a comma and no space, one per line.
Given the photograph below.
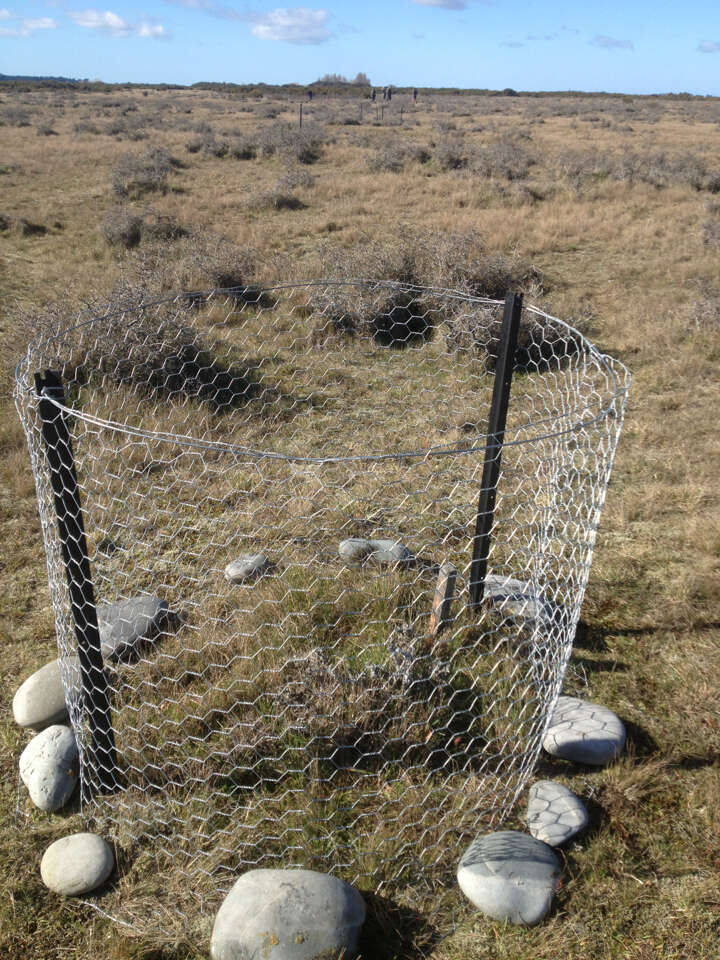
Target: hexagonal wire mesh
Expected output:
[313,714]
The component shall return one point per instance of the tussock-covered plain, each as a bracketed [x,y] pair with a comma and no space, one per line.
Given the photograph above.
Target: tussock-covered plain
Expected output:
[605,211]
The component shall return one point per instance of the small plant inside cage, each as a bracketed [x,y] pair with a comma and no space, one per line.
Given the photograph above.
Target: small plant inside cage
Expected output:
[316,555]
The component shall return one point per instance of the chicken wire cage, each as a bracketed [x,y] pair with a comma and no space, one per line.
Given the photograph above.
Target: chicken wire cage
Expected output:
[314,603]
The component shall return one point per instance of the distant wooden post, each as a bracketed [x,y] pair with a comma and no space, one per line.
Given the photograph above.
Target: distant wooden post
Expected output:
[382,112]
[442,601]
[301,116]
[401,113]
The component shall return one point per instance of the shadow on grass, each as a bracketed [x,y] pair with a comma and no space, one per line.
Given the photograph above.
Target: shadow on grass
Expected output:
[395,932]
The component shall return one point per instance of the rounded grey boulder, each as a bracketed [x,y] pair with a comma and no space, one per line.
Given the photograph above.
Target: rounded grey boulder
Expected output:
[77,864]
[509,876]
[554,813]
[40,700]
[288,915]
[49,767]
[584,732]
[388,552]
[125,626]
[247,567]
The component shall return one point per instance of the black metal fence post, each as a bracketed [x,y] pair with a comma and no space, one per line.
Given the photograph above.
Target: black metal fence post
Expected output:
[493,448]
[63,477]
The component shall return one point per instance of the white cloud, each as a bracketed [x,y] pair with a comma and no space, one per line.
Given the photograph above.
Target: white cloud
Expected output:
[445,4]
[25,28]
[155,30]
[611,43]
[41,23]
[296,25]
[709,46]
[210,7]
[108,22]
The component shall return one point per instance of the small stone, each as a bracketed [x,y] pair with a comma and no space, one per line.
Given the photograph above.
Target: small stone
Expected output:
[40,701]
[554,813]
[247,567]
[517,598]
[288,915]
[509,876]
[125,626]
[389,552]
[77,864]
[49,767]
[584,732]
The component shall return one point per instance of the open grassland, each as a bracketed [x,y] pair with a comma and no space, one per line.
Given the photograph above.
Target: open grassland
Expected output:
[607,212]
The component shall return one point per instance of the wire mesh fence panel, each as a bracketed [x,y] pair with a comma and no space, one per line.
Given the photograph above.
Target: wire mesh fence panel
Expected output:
[277,491]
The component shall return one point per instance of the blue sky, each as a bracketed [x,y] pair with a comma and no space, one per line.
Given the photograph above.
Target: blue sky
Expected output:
[633,47]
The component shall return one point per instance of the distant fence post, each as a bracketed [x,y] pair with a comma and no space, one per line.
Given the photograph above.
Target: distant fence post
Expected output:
[71,529]
[493,448]
[301,106]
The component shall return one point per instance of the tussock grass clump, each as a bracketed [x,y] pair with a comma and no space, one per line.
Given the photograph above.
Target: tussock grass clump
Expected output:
[453,153]
[418,259]
[242,148]
[303,145]
[658,169]
[711,227]
[278,198]
[705,310]
[124,227]
[134,176]
[504,159]
[393,156]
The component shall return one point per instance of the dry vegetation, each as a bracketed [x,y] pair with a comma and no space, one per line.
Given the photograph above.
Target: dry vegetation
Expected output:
[604,210]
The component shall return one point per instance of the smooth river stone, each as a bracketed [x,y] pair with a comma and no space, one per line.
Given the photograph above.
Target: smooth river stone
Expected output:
[125,626]
[77,864]
[358,549]
[49,767]
[40,701]
[246,567]
[510,876]
[584,732]
[554,813]
[288,915]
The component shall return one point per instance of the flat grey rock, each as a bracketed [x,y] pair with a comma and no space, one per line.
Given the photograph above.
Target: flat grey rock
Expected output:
[49,767]
[386,552]
[77,864]
[509,876]
[247,567]
[584,732]
[517,598]
[288,915]
[554,813]
[127,625]
[40,701]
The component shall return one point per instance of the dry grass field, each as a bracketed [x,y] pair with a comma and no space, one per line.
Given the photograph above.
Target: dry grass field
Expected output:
[606,212]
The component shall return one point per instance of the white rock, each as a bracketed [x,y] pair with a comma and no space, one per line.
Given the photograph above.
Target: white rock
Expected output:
[40,701]
[77,864]
[509,876]
[288,915]
[128,624]
[246,567]
[584,732]
[554,813]
[49,767]
[358,550]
